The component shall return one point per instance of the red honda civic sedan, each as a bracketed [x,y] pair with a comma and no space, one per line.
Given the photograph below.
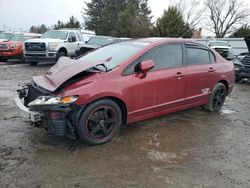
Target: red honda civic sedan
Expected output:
[91,97]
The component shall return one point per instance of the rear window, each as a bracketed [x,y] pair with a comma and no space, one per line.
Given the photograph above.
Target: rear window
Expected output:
[197,56]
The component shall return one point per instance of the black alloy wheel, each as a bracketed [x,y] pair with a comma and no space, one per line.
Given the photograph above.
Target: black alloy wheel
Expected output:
[99,122]
[217,98]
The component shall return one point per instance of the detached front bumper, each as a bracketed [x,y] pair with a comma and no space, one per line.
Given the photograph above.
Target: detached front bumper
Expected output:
[58,119]
[25,112]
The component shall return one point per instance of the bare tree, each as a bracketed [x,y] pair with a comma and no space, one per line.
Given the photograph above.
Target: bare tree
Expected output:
[191,10]
[225,15]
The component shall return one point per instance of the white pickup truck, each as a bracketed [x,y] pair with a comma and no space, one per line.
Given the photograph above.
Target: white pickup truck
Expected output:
[52,45]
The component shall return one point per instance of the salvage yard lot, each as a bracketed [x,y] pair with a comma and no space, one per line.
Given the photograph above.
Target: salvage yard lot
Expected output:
[192,148]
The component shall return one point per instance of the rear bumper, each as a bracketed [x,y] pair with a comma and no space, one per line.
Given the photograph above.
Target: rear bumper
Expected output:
[25,112]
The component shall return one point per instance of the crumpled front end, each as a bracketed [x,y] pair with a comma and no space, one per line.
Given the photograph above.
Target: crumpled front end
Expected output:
[59,115]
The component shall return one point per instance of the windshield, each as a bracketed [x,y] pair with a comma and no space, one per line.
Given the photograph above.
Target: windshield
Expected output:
[102,41]
[6,36]
[114,54]
[55,35]
[218,44]
[19,38]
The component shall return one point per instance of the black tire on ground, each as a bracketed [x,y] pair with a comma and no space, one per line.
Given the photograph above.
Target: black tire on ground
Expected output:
[4,60]
[61,54]
[22,60]
[100,122]
[217,98]
[237,78]
[33,63]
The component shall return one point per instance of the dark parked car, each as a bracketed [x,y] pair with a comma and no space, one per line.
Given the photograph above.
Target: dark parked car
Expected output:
[91,97]
[96,42]
[242,63]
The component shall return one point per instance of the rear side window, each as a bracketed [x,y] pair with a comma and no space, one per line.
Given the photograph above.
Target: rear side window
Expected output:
[168,56]
[197,56]
[79,37]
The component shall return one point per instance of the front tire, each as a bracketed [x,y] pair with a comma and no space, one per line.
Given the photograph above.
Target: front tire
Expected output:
[100,122]
[33,63]
[4,60]
[217,98]
[60,54]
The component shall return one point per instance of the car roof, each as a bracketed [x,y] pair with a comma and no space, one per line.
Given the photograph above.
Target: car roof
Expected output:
[159,40]
[101,36]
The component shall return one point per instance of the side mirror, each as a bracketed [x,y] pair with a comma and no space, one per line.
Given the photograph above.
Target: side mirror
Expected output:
[145,66]
[72,39]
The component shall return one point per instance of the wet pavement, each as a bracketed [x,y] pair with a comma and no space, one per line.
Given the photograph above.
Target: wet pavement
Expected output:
[192,148]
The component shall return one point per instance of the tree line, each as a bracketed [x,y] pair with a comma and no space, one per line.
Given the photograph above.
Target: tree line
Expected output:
[133,18]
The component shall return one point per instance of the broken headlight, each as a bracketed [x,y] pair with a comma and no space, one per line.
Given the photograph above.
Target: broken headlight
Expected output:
[51,100]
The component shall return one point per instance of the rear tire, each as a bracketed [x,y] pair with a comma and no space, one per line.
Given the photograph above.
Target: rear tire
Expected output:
[100,122]
[217,98]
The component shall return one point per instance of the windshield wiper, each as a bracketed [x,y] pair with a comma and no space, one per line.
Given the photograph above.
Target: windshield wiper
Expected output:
[97,68]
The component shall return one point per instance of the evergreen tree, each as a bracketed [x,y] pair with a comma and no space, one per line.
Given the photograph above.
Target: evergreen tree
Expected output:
[242,32]
[72,23]
[135,20]
[172,24]
[93,15]
[114,17]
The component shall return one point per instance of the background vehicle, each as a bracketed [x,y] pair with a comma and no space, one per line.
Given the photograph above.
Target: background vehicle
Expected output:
[92,96]
[52,45]
[96,42]
[5,36]
[86,34]
[13,48]
[242,63]
[222,48]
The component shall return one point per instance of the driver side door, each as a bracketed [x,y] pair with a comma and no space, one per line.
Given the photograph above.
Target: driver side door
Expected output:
[72,44]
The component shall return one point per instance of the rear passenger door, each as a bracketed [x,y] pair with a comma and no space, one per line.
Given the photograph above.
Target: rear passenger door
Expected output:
[201,72]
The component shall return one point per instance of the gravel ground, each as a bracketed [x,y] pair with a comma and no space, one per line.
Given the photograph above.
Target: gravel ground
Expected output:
[192,148]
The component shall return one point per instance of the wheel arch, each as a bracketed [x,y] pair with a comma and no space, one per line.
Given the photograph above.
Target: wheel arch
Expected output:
[120,103]
[225,84]
[63,49]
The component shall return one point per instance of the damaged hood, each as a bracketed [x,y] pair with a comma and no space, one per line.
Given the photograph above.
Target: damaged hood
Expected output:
[62,71]
[247,40]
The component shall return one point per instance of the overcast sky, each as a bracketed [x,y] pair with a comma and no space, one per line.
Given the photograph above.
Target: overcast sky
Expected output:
[22,14]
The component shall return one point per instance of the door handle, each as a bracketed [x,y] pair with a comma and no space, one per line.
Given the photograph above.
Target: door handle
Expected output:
[178,75]
[211,69]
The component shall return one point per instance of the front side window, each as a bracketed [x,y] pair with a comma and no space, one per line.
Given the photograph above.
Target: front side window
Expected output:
[72,34]
[197,56]
[168,56]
